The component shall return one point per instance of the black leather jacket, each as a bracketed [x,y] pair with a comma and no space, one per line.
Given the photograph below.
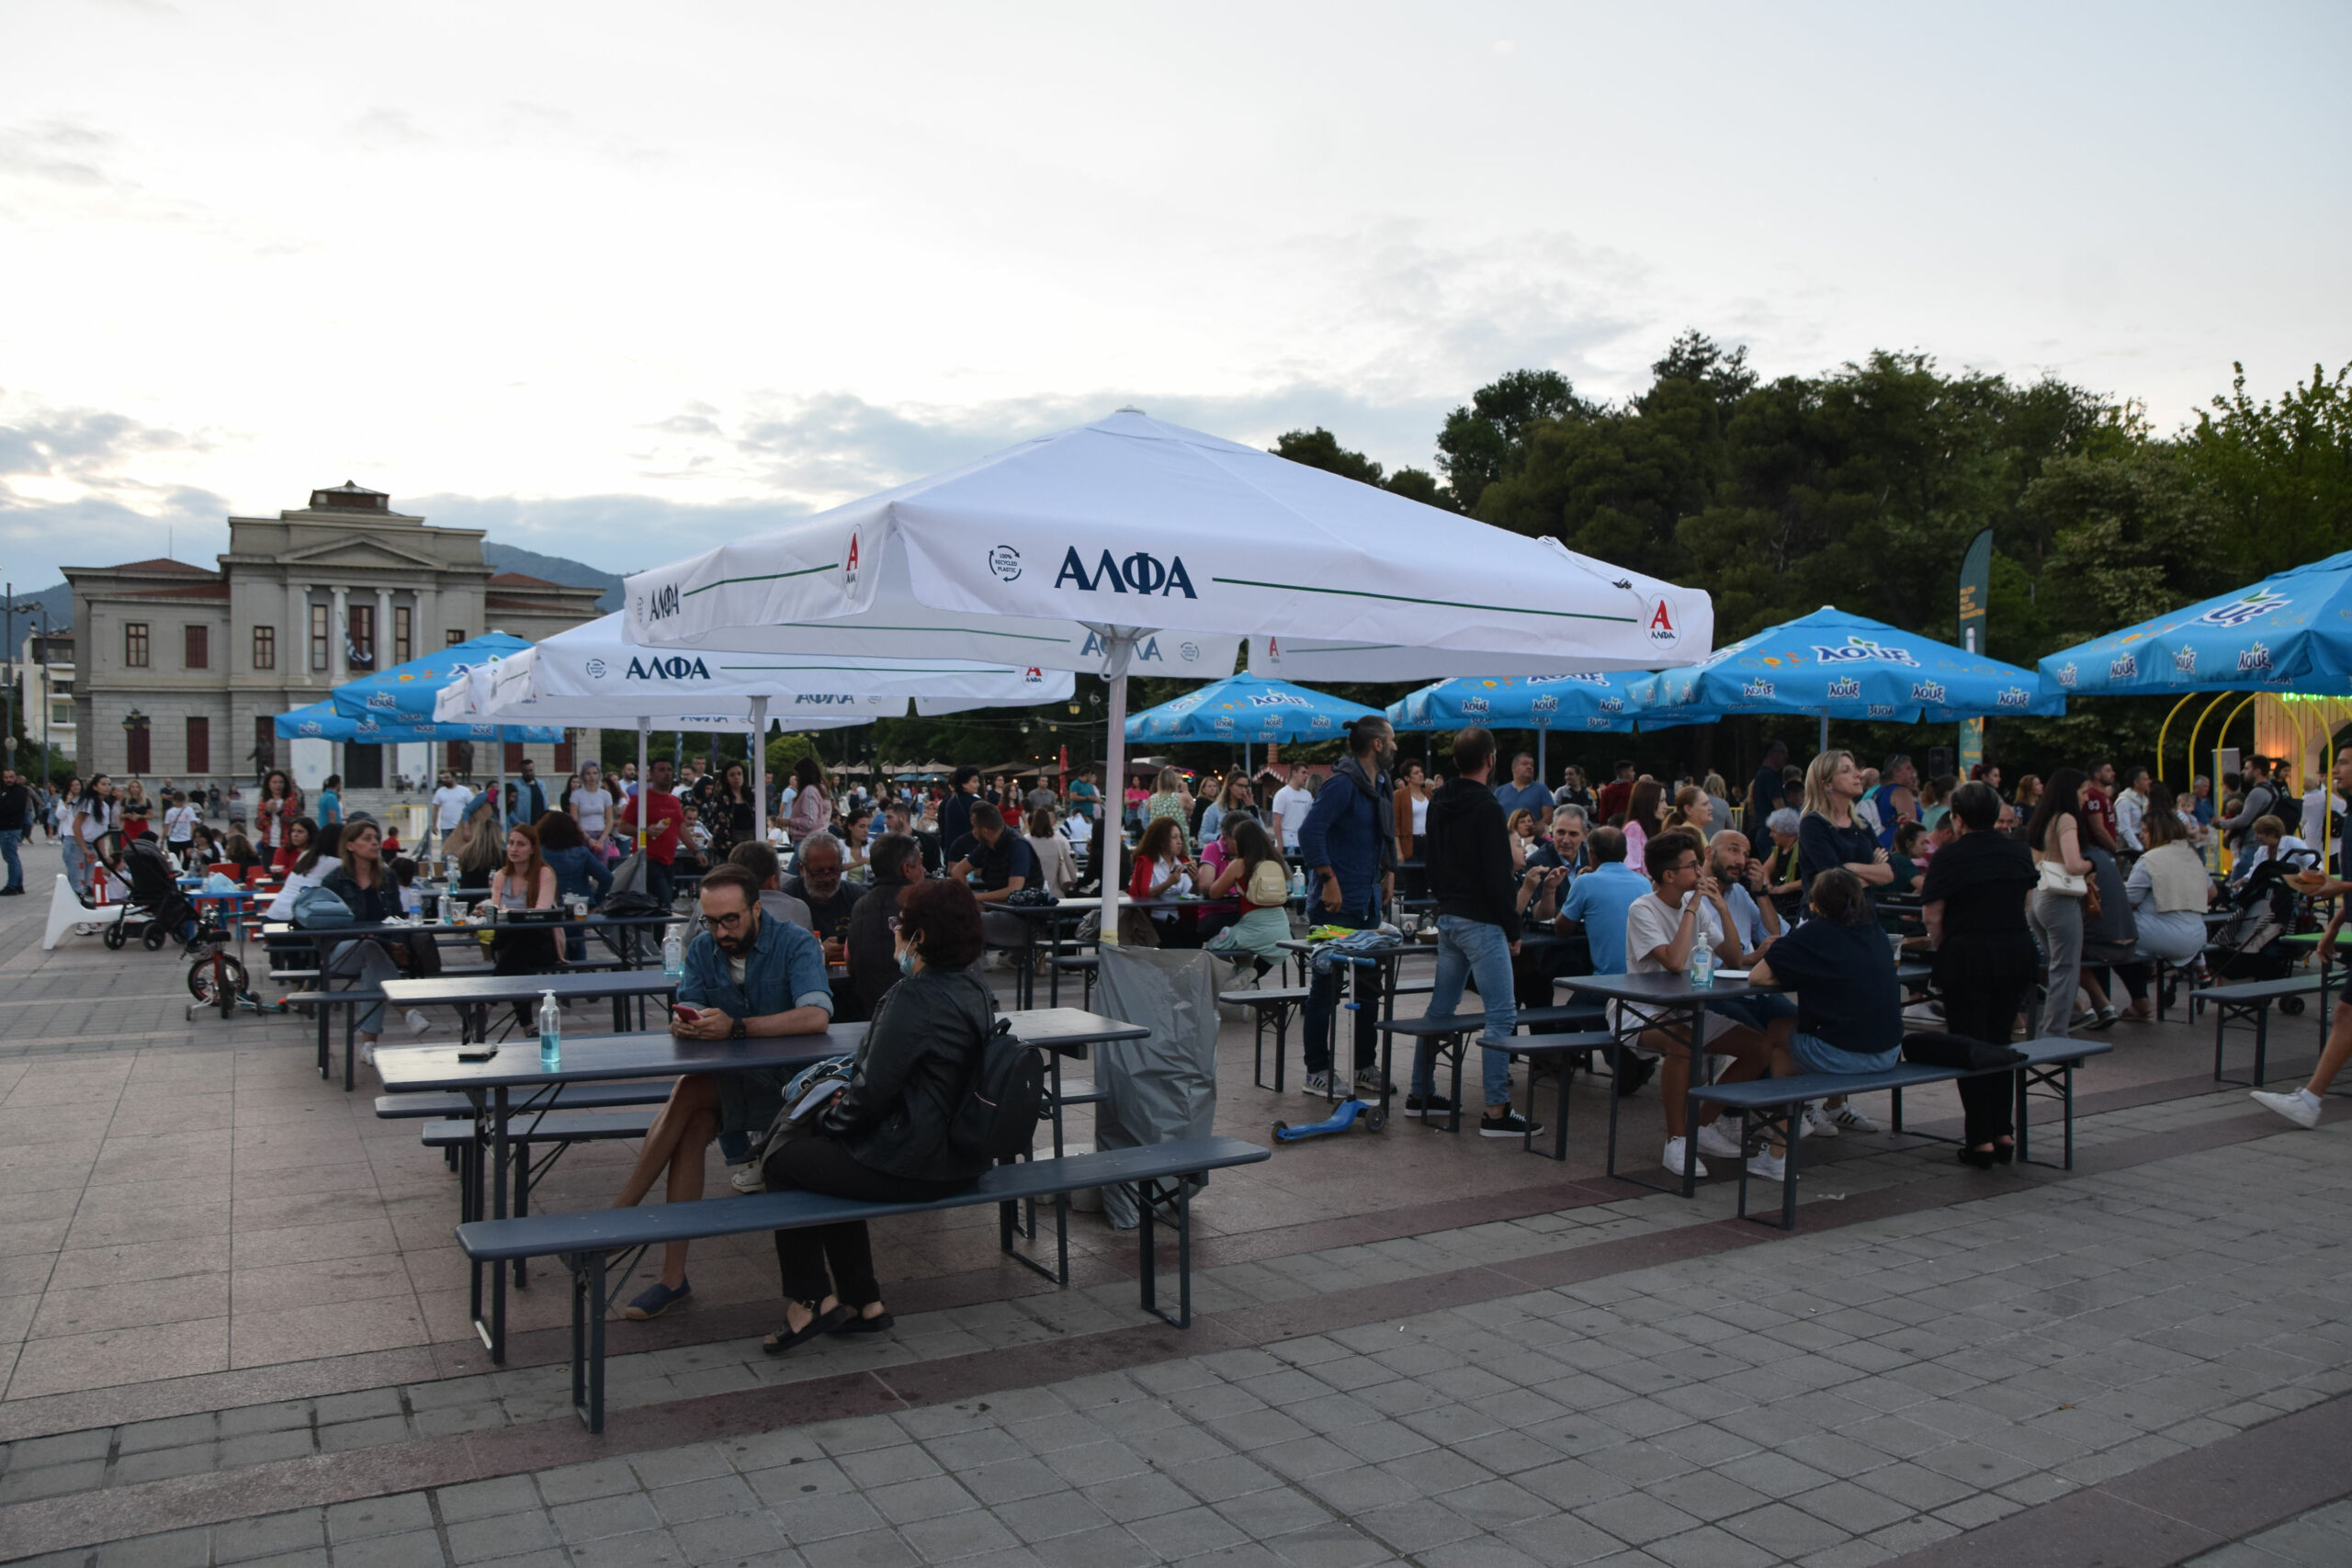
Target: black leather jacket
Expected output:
[911,1073]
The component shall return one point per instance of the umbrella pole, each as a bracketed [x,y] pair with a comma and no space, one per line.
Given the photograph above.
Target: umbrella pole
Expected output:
[1116,650]
[760,769]
[1541,776]
[644,776]
[1824,732]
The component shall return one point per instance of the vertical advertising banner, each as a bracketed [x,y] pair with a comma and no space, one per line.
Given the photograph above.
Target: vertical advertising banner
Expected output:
[1976,588]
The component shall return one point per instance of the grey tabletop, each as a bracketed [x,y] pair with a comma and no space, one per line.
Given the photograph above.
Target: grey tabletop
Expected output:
[461,989]
[1668,987]
[652,1054]
[470,927]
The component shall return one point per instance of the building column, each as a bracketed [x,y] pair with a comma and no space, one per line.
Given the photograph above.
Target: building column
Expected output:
[383,629]
[294,638]
[337,635]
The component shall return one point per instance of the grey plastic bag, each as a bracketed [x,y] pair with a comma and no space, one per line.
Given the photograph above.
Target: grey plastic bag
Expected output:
[1163,1086]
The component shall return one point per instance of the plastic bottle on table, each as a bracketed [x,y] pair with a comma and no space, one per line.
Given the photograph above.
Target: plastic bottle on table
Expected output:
[673,952]
[550,1032]
[1702,962]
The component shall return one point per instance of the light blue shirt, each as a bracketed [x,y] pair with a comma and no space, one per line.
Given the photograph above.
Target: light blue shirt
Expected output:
[1599,901]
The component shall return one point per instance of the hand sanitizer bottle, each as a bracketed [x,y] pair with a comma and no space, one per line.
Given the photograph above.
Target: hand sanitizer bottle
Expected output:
[550,1034]
[673,952]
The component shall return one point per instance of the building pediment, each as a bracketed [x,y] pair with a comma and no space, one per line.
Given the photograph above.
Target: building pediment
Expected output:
[363,554]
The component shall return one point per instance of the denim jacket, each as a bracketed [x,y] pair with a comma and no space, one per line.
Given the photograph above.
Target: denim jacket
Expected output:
[785,969]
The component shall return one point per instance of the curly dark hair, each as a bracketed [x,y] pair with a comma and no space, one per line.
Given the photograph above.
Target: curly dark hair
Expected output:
[943,919]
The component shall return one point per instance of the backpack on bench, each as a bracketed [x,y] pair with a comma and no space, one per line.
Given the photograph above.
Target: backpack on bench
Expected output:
[998,1119]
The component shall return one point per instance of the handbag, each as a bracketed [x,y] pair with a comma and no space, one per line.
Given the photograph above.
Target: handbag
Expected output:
[629,894]
[316,909]
[2056,878]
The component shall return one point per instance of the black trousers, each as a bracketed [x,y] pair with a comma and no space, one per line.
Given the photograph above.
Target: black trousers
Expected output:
[1985,983]
[838,1260]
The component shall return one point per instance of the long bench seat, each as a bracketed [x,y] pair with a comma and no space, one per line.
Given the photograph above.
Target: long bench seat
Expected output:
[588,1240]
[1768,1103]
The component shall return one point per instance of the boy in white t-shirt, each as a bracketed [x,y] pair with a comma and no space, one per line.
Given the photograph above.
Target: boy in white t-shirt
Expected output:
[1684,908]
[179,825]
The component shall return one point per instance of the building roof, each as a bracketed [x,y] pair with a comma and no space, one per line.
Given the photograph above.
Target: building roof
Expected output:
[217,590]
[161,563]
[516,580]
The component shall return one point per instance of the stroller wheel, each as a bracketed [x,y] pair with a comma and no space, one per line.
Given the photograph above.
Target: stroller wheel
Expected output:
[155,936]
[2291,1006]
[116,936]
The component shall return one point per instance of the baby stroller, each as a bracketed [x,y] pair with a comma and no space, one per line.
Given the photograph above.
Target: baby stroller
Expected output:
[155,897]
[2265,908]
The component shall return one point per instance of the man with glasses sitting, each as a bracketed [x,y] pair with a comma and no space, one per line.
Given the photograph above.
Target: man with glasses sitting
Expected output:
[745,976]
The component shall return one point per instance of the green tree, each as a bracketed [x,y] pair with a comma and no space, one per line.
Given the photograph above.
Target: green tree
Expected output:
[1318,448]
[1480,441]
[2280,472]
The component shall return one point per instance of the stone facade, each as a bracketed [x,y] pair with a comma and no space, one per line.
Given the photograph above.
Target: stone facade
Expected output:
[202,661]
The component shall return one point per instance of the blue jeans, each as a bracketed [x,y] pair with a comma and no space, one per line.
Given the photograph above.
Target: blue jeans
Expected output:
[8,837]
[1466,948]
[77,865]
[1323,997]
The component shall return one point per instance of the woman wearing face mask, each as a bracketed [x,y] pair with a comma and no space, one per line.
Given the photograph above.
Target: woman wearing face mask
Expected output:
[885,1137]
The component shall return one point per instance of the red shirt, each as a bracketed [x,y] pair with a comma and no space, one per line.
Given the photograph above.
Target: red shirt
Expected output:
[1613,800]
[2100,807]
[664,819]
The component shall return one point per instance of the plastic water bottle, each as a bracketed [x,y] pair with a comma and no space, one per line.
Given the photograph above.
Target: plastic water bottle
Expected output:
[550,1034]
[1702,962]
[449,873]
[1298,882]
[673,952]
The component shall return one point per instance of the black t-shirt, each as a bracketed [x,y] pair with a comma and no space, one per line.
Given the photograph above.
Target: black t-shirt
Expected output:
[16,808]
[1764,792]
[1821,846]
[1844,979]
[830,916]
[1010,856]
[1981,880]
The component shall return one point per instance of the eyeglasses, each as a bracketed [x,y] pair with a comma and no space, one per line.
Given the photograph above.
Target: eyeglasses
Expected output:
[726,922]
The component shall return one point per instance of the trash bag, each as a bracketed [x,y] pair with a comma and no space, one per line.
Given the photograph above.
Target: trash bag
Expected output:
[1163,1086]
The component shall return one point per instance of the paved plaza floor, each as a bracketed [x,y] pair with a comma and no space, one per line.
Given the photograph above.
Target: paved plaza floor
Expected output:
[234,1328]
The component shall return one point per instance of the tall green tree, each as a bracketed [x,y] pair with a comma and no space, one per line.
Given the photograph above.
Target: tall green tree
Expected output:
[1480,441]
[1318,448]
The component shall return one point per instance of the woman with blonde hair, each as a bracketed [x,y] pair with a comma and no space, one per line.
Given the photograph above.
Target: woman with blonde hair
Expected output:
[1522,837]
[1694,809]
[1829,836]
[1170,800]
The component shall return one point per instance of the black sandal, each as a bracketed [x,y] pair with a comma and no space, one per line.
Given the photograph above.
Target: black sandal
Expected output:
[787,1337]
[858,1323]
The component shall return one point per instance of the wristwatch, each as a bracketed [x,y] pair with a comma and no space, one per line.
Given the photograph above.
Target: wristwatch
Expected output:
[736,1030]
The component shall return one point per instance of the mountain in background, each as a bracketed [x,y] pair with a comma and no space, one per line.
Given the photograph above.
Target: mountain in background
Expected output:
[554,568]
[59,596]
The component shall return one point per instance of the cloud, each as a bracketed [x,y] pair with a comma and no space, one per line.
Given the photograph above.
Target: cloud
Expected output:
[56,150]
[78,488]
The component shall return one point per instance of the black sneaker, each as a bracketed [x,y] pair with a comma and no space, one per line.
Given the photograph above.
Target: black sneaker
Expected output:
[1428,1102]
[1509,1125]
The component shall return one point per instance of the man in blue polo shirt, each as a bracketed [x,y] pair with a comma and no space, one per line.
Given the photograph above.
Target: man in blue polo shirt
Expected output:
[1524,792]
[1597,901]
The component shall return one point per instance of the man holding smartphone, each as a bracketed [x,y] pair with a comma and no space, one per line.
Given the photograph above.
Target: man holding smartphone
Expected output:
[745,976]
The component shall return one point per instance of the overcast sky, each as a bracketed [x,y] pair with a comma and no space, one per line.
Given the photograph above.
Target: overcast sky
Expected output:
[613,280]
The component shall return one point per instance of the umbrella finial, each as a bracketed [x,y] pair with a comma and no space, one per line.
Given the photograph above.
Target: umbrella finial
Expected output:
[1130,408]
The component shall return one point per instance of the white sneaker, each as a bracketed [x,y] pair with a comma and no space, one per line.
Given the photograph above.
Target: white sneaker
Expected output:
[1317,1083]
[2302,1107]
[368,1052]
[1818,1123]
[1852,1120]
[747,1178]
[417,1023]
[1767,1165]
[1672,1158]
[1713,1140]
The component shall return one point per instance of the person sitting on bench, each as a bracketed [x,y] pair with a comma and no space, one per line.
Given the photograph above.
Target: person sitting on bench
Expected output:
[1850,1010]
[1684,908]
[745,974]
[885,1137]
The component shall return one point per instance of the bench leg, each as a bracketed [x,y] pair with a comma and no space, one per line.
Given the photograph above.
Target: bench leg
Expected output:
[1897,1115]
[2068,1091]
[2023,1117]
[1281,1043]
[1789,1140]
[588,1369]
[2262,1047]
[1147,1263]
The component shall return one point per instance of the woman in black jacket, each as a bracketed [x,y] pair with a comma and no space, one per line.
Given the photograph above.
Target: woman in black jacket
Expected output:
[884,1138]
[1973,901]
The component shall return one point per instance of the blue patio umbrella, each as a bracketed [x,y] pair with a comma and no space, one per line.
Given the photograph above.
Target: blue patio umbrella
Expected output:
[1834,665]
[2290,632]
[1246,709]
[1594,701]
[319,721]
[408,690]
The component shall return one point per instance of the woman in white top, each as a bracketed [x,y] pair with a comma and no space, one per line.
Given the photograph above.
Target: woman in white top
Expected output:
[591,806]
[2169,889]
[1056,868]
[92,818]
[314,862]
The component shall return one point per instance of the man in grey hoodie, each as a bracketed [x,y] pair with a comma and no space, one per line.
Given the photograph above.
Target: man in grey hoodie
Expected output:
[1479,903]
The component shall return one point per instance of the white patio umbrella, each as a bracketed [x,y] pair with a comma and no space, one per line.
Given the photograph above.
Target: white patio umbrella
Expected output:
[591,676]
[1132,544]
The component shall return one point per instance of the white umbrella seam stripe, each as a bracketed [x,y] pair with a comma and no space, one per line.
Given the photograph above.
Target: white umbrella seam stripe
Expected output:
[967,631]
[762,577]
[1413,598]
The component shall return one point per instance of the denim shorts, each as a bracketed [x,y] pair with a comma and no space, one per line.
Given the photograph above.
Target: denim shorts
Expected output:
[1816,1055]
[1757,1013]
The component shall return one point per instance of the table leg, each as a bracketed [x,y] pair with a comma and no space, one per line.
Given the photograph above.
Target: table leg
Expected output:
[2261,1046]
[350,1042]
[501,1155]
[1690,1103]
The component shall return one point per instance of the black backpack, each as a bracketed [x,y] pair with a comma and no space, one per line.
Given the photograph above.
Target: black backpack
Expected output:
[998,1119]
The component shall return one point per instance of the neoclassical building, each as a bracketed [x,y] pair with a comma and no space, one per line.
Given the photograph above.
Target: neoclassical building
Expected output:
[179,671]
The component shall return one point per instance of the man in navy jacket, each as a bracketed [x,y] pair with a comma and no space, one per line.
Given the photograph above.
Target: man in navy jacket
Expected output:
[1349,847]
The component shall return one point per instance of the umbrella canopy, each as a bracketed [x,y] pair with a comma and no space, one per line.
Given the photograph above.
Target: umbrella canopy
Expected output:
[1189,541]
[1135,544]
[2290,632]
[409,689]
[1244,709]
[319,721]
[1595,701]
[1840,665]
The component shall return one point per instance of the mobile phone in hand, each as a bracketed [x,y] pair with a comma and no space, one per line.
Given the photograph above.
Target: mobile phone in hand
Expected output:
[683,1013]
